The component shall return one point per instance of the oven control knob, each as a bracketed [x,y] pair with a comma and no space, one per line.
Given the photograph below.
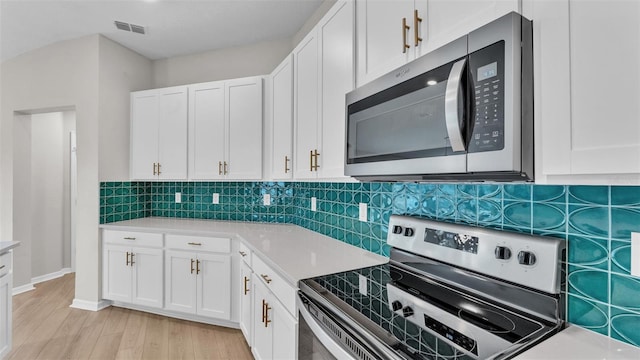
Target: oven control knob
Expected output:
[396,305]
[397,229]
[526,258]
[409,232]
[407,311]
[502,252]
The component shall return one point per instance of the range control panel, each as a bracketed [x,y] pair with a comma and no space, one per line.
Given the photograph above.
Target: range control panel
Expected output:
[529,260]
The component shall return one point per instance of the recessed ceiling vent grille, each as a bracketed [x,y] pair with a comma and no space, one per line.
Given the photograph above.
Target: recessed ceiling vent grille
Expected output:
[130,27]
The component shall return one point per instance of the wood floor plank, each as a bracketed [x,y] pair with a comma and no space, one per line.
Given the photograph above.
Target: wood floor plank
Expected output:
[45,327]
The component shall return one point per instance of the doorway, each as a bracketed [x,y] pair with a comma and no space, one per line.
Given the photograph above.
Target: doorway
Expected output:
[44,192]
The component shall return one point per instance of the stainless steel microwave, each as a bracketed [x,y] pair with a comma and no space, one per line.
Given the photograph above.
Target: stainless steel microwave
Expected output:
[461,112]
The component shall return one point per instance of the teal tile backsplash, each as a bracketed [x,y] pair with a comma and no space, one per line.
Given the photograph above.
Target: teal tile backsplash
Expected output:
[597,222]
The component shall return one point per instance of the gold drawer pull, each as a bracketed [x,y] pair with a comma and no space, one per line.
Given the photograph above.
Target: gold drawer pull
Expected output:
[266,278]
[197,267]
[129,238]
[195,244]
[243,253]
[128,254]
[2,267]
[192,261]
[132,262]
[266,313]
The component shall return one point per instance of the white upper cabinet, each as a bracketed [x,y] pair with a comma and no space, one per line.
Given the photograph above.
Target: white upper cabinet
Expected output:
[244,114]
[394,32]
[587,67]
[282,119]
[159,134]
[225,130]
[323,74]
[206,130]
[306,111]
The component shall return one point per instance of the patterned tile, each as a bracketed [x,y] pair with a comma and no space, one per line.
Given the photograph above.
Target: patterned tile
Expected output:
[596,221]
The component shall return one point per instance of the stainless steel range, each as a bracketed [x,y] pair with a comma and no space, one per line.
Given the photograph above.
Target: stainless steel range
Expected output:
[449,292]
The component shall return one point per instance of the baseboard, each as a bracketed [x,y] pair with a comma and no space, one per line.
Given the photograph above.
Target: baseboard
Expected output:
[22,289]
[51,276]
[90,305]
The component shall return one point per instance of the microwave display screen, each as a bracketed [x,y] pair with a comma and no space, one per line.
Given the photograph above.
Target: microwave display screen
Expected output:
[487,71]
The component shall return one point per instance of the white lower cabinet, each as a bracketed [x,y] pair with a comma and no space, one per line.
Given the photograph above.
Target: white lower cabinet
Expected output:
[6,285]
[198,282]
[274,329]
[245,302]
[131,275]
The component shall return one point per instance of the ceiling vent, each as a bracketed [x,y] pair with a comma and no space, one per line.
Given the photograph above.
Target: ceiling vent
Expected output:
[130,27]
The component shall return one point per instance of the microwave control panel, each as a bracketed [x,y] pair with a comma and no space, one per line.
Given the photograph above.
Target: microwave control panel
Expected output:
[487,71]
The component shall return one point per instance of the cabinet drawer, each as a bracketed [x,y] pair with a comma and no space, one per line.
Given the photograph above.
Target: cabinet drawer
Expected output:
[278,286]
[132,238]
[245,253]
[5,263]
[198,243]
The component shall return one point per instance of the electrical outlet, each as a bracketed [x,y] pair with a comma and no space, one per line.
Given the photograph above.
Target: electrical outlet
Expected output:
[216,198]
[635,254]
[362,284]
[266,199]
[363,212]
[313,204]
[178,198]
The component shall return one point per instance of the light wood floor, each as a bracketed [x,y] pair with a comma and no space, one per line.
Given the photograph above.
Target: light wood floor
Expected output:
[45,327]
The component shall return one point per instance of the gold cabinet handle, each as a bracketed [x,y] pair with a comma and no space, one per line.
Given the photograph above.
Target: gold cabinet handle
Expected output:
[310,160]
[225,168]
[263,304]
[219,167]
[129,238]
[154,169]
[192,261]
[159,166]
[266,278]
[194,244]
[2,267]
[243,253]
[265,317]
[315,156]
[246,281]
[132,262]
[286,164]
[127,263]
[416,33]
[405,30]
[197,267]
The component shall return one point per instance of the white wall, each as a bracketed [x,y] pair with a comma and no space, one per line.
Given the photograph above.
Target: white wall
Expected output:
[21,221]
[251,60]
[67,74]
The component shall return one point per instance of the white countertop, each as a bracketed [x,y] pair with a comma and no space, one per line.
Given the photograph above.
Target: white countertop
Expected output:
[575,342]
[8,245]
[296,253]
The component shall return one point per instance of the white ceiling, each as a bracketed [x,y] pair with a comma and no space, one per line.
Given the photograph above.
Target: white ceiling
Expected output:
[174,27]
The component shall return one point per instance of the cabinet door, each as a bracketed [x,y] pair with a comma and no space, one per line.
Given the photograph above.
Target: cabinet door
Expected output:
[380,40]
[282,117]
[172,133]
[5,314]
[337,78]
[262,335]
[244,116]
[206,131]
[285,331]
[144,134]
[214,286]
[446,20]
[245,302]
[147,265]
[306,87]
[116,273]
[180,275]
[588,117]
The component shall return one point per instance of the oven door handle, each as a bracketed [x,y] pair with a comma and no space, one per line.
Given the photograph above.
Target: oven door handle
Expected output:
[334,347]
[452,103]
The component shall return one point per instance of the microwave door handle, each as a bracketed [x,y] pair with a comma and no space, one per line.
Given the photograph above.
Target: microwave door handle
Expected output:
[451,100]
